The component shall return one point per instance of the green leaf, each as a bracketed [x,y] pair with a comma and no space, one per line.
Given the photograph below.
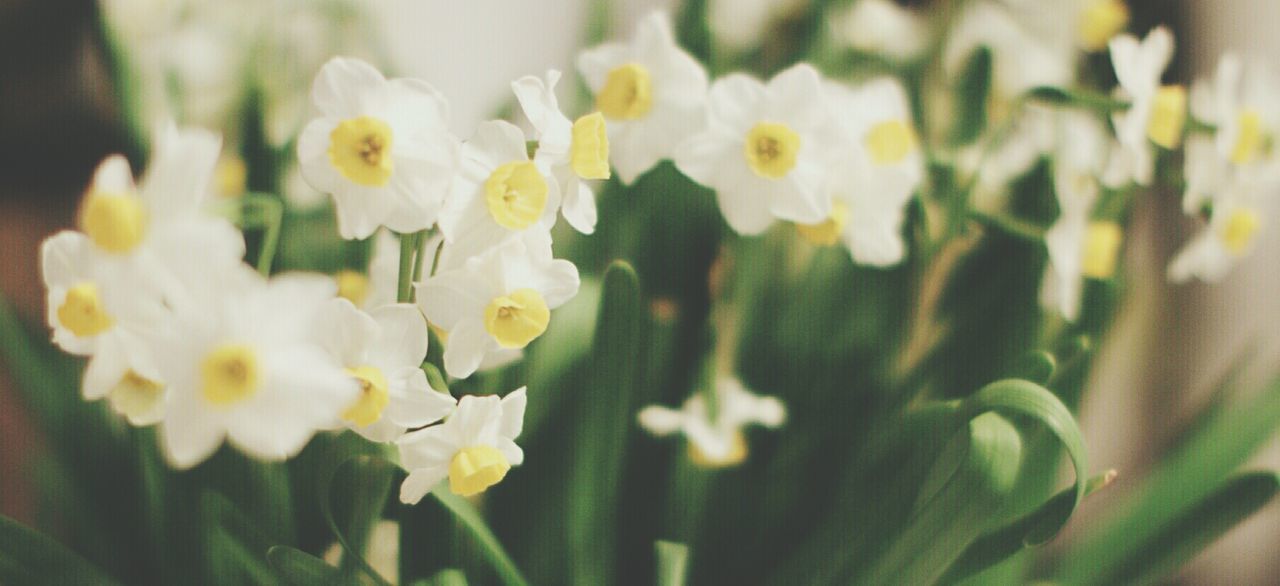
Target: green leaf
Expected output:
[484,537]
[1195,528]
[971,97]
[599,452]
[1037,366]
[446,577]
[552,356]
[1001,544]
[361,484]
[1219,445]
[1076,99]
[968,485]
[673,562]
[235,545]
[30,557]
[1024,398]
[303,569]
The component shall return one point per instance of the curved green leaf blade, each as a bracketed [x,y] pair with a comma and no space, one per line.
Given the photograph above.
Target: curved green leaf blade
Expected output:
[30,557]
[489,544]
[363,483]
[673,562]
[301,568]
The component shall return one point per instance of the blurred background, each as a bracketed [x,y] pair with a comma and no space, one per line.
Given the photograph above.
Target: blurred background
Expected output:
[58,118]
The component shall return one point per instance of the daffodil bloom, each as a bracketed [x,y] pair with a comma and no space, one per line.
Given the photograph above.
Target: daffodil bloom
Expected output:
[497,303]
[381,148]
[384,350]
[245,364]
[874,175]
[474,448]
[499,193]
[95,317]
[650,92]
[720,442]
[1239,214]
[764,149]
[1157,113]
[576,151]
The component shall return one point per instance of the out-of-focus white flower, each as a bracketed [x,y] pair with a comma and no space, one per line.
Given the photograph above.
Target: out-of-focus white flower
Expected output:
[1029,45]
[574,151]
[381,147]
[106,323]
[741,24]
[1239,214]
[498,302]
[874,175]
[498,193]
[764,149]
[474,448]
[244,364]
[384,350]
[650,91]
[1078,247]
[720,442]
[881,27]
[1158,113]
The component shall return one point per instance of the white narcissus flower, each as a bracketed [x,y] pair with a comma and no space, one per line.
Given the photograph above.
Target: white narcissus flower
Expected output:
[381,148]
[384,350]
[1029,45]
[245,364]
[1157,113]
[107,324]
[474,448]
[1239,212]
[651,93]
[719,443]
[497,303]
[498,194]
[1078,247]
[764,149]
[876,170]
[575,151]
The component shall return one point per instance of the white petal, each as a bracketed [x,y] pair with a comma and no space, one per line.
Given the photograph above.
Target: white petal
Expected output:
[402,338]
[477,420]
[420,482]
[428,448]
[181,171]
[104,371]
[467,345]
[416,404]
[513,407]
[343,86]
[579,206]
[113,175]
[660,421]
[346,333]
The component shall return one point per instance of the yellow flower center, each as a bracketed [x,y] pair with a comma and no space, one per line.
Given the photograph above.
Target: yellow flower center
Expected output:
[135,395]
[890,142]
[373,396]
[115,223]
[1101,249]
[1251,140]
[627,93]
[826,232]
[737,454]
[1168,116]
[771,149]
[352,286]
[360,149]
[82,311]
[475,469]
[229,374]
[1101,21]
[516,194]
[589,153]
[231,176]
[1240,229]
[517,318]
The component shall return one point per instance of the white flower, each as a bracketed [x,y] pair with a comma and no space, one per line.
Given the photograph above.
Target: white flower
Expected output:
[1157,113]
[743,23]
[874,175]
[494,304]
[881,27]
[384,350]
[498,193]
[1239,211]
[650,91]
[719,443]
[575,151]
[245,364]
[108,324]
[763,150]
[1029,45]
[1078,246]
[474,448]
[381,148]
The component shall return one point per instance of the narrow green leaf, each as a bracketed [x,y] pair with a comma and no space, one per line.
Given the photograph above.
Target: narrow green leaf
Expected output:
[475,525]
[235,545]
[30,557]
[446,577]
[1076,99]
[566,342]
[1037,366]
[968,485]
[673,562]
[971,97]
[362,484]
[303,569]
[599,451]
[1197,527]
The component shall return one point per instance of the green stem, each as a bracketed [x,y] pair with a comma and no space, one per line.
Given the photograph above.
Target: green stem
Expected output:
[404,284]
[418,259]
[1011,226]
[435,261]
